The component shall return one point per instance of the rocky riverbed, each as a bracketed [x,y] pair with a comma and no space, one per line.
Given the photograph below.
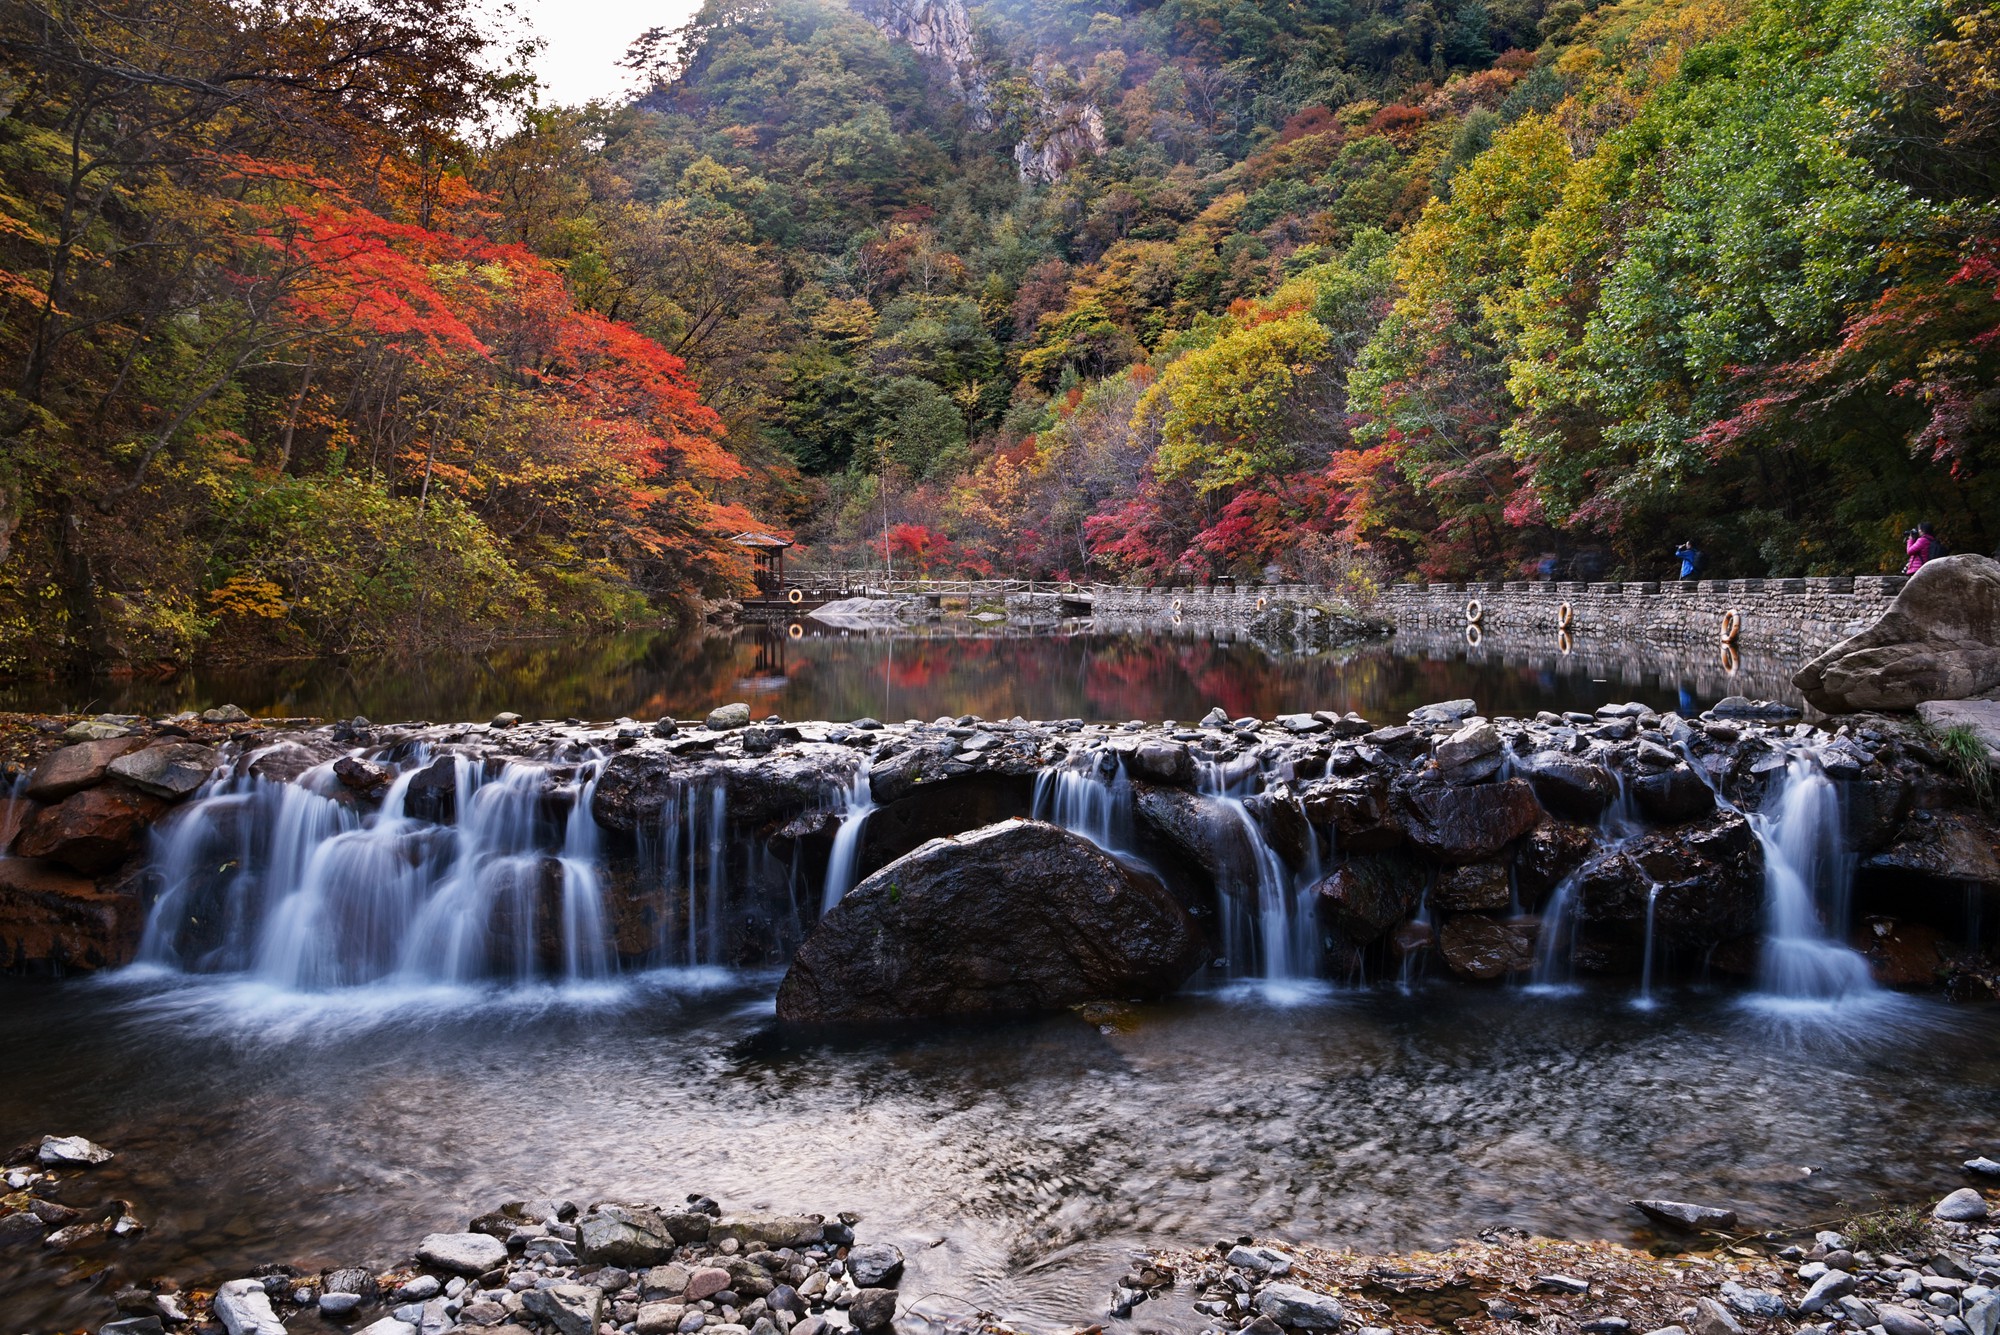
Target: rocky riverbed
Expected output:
[554,1267]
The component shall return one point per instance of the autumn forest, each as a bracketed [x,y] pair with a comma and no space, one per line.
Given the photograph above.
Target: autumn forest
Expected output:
[322,328]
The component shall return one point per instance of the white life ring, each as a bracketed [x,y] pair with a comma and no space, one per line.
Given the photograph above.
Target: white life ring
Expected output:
[1262,603]
[795,597]
[1475,611]
[1732,622]
[1565,616]
[1472,634]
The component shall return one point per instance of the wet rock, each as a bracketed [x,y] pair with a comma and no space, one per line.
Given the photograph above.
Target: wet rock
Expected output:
[339,1306]
[1568,785]
[95,730]
[1984,1166]
[1902,954]
[133,1325]
[873,1310]
[1939,640]
[361,776]
[173,771]
[1478,887]
[91,831]
[1302,724]
[1016,917]
[875,1265]
[1948,845]
[462,1253]
[1300,1309]
[1962,1206]
[20,1230]
[1358,811]
[1547,857]
[1682,1214]
[1399,741]
[728,717]
[1672,795]
[70,1152]
[352,1280]
[389,1325]
[1367,896]
[573,1309]
[1162,762]
[1709,879]
[419,1289]
[1476,946]
[243,1308]
[625,1235]
[225,714]
[1467,824]
[1263,1260]
[1444,714]
[504,720]
[71,769]
[1474,749]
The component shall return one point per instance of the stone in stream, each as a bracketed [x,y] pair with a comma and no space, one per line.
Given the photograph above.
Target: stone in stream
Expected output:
[1468,824]
[1685,1215]
[420,1289]
[1939,640]
[875,1265]
[769,1230]
[339,1305]
[573,1309]
[1017,917]
[464,1253]
[225,714]
[1984,1166]
[626,1235]
[19,1230]
[729,716]
[133,1325]
[1899,1320]
[1301,1309]
[1568,785]
[1368,895]
[389,1325]
[1962,1206]
[173,771]
[243,1308]
[70,1152]
[1760,1303]
[873,1310]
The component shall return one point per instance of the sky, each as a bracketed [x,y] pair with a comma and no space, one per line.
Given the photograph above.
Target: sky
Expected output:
[586,39]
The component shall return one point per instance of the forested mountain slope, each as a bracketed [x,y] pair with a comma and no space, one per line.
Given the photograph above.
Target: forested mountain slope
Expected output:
[322,330]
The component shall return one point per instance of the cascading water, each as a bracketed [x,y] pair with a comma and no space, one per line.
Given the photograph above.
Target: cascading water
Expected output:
[1284,942]
[293,885]
[1806,865]
[845,860]
[1091,795]
[1555,949]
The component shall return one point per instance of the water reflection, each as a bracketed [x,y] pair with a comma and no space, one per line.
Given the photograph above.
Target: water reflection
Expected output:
[818,672]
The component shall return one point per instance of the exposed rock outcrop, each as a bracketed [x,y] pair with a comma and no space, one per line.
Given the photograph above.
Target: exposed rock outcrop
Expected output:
[1940,640]
[1064,128]
[939,31]
[1015,918]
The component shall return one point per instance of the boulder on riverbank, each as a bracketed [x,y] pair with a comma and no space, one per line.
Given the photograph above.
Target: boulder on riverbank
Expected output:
[1014,918]
[1940,640]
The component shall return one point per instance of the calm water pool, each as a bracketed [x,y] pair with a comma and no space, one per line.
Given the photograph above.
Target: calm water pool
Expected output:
[826,673]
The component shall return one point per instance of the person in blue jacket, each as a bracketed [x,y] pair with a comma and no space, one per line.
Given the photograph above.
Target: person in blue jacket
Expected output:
[1691,559]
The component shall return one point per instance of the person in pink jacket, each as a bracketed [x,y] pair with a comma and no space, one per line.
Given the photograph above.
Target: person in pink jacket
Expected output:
[1921,545]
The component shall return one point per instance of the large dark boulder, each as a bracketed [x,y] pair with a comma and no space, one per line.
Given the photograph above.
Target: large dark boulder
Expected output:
[1939,640]
[1467,823]
[52,920]
[91,831]
[1367,896]
[1710,879]
[1357,809]
[1477,946]
[1015,918]
[1568,785]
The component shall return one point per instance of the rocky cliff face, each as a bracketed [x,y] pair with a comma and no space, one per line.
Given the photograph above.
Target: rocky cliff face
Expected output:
[941,32]
[1061,131]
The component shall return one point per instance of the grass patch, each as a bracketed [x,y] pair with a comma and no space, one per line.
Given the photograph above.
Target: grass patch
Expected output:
[1899,1228]
[1965,756]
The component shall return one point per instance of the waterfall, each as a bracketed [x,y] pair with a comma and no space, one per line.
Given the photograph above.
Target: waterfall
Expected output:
[1286,934]
[1806,864]
[295,885]
[1090,795]
[845,860]
[1644,1001]
[1555,945]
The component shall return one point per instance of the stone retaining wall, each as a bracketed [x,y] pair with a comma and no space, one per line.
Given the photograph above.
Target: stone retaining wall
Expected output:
[1219,605]
[1789,619]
